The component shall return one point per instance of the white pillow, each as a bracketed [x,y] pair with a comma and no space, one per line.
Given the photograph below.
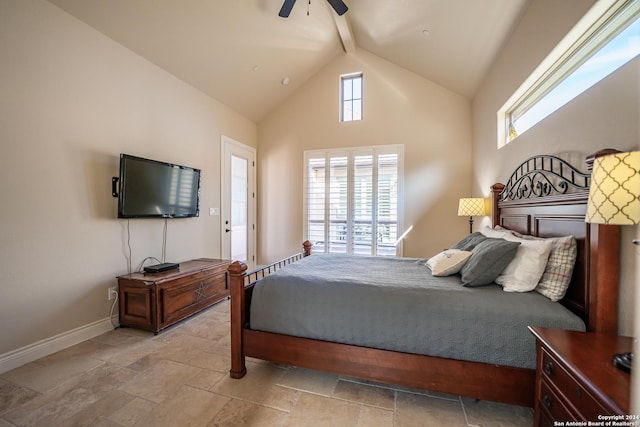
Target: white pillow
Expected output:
[448,262]
[557,275]
[494,233]
[525,270]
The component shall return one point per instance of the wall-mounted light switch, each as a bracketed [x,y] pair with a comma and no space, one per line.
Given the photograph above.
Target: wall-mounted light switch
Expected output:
[214,211]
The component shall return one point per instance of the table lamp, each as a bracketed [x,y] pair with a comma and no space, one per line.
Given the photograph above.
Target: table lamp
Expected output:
[471,207]
[614,198]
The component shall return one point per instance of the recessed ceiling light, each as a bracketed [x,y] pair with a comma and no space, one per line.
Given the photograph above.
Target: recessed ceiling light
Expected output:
[285,81]
[255,68]
[426,33]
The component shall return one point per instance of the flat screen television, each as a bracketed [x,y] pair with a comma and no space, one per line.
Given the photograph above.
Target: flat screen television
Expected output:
[153,189]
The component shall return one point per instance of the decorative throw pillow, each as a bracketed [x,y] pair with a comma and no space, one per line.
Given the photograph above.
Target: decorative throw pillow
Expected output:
[557,274]
[525,270]
[469,242]
[487,261]
[448,262]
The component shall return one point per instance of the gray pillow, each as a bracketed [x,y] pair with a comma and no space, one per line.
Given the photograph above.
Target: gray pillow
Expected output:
[487,261]
[470,242]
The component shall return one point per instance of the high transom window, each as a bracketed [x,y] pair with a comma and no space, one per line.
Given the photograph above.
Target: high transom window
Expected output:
[605,39]
[353,199]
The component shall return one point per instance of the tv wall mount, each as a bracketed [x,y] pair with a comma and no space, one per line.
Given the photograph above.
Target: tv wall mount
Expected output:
[114,186]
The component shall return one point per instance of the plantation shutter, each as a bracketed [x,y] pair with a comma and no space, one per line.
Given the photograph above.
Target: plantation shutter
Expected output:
[363,205]
[316,199]
[387,197]
[352,200]
[338,205]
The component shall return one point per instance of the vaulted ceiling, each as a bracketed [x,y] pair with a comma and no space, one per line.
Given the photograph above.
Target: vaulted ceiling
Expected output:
[242,53]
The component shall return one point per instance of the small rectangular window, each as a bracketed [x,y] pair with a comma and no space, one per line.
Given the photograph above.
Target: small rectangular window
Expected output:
[351,97]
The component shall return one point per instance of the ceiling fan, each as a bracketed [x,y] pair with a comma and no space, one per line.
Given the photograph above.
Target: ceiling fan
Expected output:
[337,5]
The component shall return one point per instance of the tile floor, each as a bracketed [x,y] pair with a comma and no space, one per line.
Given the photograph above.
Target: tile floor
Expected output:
[179,377]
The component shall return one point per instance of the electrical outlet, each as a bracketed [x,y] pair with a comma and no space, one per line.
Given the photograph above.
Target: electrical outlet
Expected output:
[112,293]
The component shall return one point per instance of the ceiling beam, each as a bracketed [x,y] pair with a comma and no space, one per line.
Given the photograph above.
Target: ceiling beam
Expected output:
[344,31]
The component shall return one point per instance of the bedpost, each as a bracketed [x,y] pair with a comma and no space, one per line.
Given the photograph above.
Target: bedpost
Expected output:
[307,247]
[237,272]
[604,272]
[604,277]
[496,189]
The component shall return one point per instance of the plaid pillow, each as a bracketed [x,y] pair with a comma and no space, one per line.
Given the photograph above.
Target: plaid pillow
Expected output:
[557,274]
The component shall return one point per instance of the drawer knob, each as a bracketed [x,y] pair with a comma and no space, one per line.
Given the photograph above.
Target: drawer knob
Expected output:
[548,368]
[547,400]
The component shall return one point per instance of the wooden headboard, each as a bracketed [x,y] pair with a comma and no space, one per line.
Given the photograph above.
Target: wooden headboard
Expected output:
[547,197]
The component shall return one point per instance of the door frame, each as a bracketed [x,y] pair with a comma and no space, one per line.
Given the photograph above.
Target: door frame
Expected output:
[227,145]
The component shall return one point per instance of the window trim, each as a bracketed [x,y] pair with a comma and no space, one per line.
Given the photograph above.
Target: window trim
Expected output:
[343,78]
[605,20]
[351,153]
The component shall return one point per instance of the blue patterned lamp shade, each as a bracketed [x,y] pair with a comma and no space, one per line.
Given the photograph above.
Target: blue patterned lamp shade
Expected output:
[614,194]
[471,207]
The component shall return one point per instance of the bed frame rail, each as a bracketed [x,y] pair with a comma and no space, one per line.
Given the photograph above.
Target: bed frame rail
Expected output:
[255,275]
[240,288]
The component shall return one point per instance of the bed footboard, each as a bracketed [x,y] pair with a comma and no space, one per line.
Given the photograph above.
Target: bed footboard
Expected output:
[240,286]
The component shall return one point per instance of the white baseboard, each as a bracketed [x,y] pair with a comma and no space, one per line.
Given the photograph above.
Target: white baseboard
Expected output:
[45,347]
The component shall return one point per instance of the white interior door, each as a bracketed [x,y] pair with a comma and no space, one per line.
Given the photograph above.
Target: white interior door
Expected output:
[238,202]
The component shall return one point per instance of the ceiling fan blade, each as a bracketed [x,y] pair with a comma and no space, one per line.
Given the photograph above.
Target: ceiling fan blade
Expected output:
[286,8]
[338,6]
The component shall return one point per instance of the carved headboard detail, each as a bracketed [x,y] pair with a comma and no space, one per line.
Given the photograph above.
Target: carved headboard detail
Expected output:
[542,176]
[547,197]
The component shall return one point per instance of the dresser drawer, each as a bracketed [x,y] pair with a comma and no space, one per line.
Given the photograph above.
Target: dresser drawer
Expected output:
[574,369]
[575,394]
[552,405]
[182,299]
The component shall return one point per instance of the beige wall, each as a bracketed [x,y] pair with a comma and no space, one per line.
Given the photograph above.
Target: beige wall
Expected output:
[607,115]
[72,100]
[399,108]
[604,116]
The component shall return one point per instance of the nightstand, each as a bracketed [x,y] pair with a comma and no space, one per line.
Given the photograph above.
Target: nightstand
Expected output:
[575,379]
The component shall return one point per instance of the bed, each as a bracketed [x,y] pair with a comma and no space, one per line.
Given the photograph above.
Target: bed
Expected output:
[544,197]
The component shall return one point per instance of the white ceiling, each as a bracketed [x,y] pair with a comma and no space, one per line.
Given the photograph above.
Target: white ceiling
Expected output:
[239,51]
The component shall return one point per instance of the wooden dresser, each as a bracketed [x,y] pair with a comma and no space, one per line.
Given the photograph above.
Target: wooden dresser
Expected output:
[575,378]
[153,301]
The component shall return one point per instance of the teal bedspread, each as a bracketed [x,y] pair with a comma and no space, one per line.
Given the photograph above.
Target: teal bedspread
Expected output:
[396,304]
